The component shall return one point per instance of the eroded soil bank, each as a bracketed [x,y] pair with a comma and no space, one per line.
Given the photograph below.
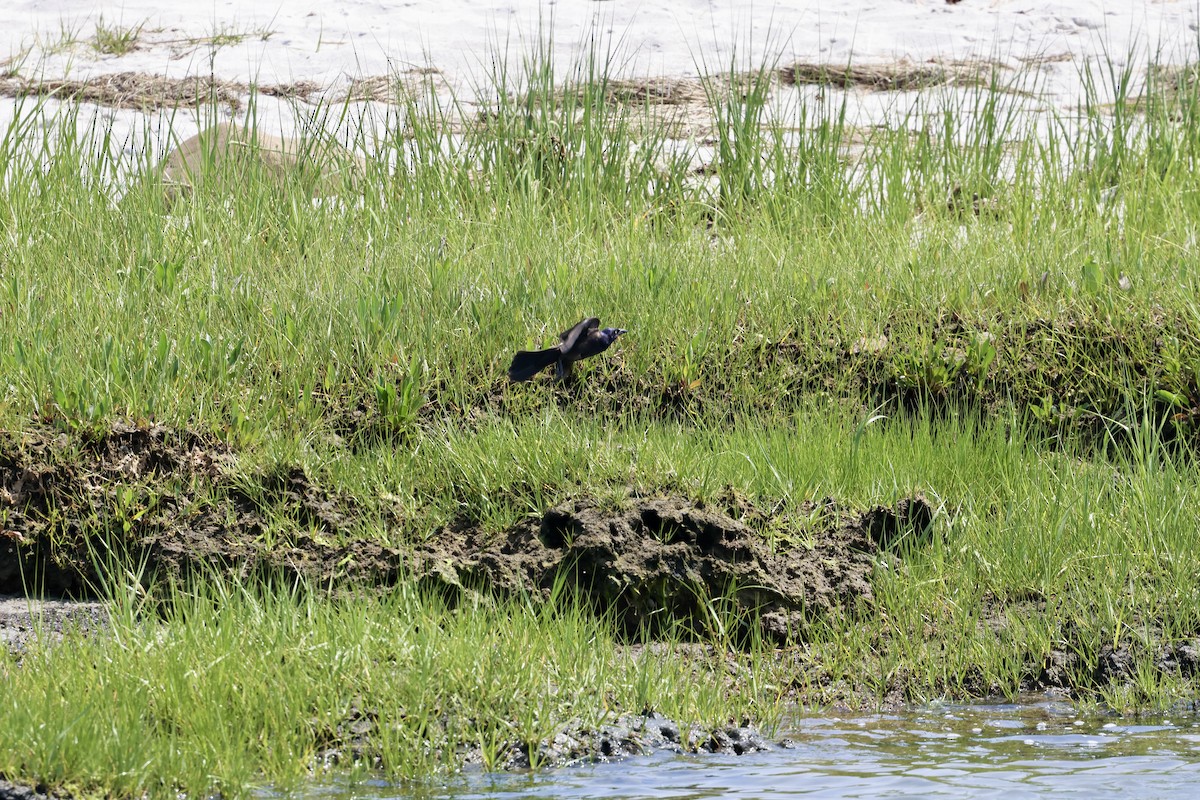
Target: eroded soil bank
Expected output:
[167,502]
[1076,377]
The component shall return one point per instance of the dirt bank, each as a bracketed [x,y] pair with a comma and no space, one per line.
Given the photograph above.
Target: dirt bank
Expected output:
[165,502]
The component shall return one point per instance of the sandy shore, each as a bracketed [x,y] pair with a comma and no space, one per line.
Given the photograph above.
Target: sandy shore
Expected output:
[306,53]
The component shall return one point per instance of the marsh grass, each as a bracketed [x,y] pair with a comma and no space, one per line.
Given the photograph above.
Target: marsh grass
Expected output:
[116,39]
[996,313]
[555,207]
[236,682]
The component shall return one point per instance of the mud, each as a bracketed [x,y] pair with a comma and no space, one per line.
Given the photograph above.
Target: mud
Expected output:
[169,505]
[351,742]
[24,620]
[15,791]
[670,563]
[1067,669]
[634,735]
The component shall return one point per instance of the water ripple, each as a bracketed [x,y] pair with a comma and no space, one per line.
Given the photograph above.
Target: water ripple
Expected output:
[1009,751]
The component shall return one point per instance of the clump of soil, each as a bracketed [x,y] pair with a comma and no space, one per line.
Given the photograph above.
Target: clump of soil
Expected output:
[168,504]
[666,561]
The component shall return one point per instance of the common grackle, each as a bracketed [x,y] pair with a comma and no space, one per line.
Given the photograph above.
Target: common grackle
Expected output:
[583,341]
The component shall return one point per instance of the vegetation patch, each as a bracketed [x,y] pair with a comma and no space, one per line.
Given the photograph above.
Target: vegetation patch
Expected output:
[235,680]
[145,92]
[116,40]
[277,436]
[1084,373]
[896,77]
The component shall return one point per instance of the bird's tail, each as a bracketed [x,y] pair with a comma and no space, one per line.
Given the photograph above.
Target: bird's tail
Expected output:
[527,363]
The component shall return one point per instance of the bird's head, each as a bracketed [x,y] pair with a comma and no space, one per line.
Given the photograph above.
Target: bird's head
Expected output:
[610,334]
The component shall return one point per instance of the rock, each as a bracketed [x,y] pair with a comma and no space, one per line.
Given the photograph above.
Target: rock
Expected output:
[632,735]
[13,791]
[230,151]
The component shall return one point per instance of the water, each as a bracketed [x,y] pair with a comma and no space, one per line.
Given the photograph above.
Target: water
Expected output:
[1006,751]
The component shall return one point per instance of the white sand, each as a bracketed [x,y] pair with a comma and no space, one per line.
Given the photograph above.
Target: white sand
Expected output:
[1046,42]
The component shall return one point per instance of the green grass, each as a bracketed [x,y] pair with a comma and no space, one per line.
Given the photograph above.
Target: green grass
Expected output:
[543,217]
[239,682]
[116,40]
[800,327]
[1034,551]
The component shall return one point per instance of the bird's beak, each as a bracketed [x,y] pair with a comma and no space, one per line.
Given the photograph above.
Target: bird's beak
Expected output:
[620,331]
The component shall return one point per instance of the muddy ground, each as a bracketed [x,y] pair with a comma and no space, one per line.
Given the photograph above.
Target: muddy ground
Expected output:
[16,791]
[23,619]
[168,502]
[628,735]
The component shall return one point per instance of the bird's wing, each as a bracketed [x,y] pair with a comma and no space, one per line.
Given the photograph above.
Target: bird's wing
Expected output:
[569,338]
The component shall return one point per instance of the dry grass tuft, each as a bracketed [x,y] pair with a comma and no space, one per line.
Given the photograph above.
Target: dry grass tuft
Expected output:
[131,90]
[900,76]
[140,90]
[393,89]
[656,91]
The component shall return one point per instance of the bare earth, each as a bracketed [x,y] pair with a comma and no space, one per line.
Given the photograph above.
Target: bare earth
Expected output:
[24,619]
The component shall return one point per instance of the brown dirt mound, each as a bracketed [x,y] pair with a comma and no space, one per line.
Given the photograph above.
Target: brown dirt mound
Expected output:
[666,561]
[166,503]
[162,500]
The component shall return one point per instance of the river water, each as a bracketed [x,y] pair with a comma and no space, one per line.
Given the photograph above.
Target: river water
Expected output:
[1039,749]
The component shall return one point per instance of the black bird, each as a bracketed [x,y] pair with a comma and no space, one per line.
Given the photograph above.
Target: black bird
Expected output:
[583,341]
